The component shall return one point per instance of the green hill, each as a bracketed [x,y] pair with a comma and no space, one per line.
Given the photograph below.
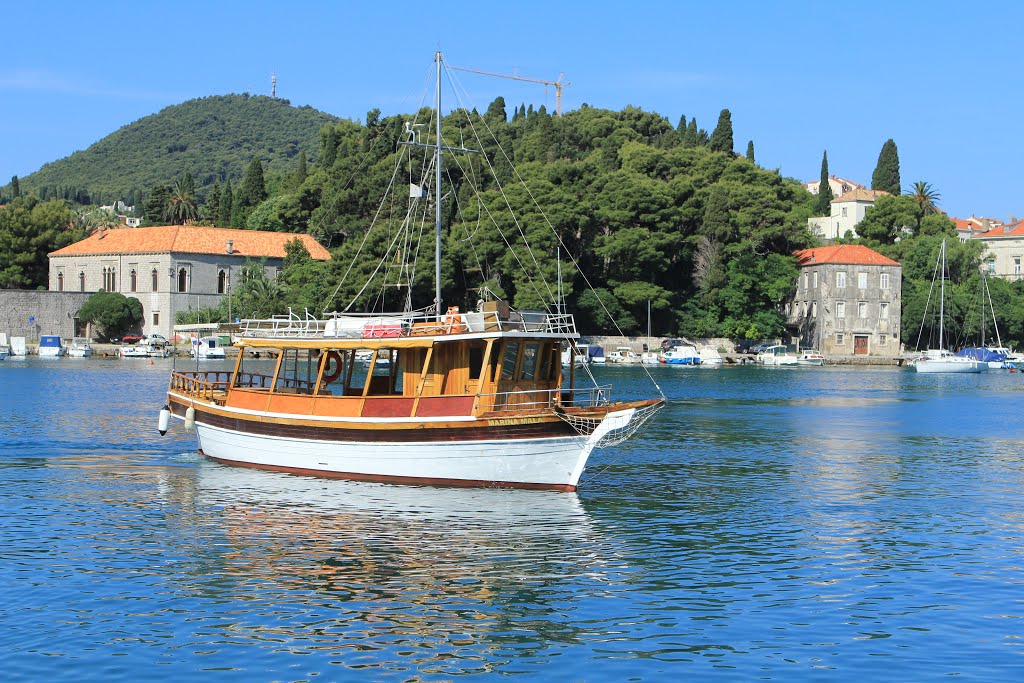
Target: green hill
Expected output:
[213,138]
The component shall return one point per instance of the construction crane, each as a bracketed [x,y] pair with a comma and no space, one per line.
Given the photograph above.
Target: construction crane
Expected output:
[558,85]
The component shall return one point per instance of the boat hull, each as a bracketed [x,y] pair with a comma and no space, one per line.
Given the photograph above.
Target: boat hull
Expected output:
[421,456]
[965,365]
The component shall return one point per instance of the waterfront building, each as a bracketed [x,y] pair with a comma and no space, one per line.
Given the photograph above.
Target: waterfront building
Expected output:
[966,228]
[169,268]
[1004,250]
[846,301]
[847,211]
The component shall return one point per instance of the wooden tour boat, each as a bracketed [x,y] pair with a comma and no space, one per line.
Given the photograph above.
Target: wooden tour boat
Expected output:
[436,396]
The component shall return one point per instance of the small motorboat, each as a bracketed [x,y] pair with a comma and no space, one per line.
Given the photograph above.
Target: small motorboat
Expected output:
[810,357]
[80,348]
[51,346]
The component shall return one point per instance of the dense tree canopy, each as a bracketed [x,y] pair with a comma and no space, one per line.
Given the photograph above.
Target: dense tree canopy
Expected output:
[29,230]
[113,313]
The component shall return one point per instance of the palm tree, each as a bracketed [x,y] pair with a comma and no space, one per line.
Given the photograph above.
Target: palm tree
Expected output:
[927,200]
[181,205]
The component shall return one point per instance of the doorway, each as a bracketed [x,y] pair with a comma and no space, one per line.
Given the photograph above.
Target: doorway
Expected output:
[860,344]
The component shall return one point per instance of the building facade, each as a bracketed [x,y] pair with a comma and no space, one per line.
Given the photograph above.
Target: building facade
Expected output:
[169,268]
[839,186]
[847,211]
[1004,251]
[847,301]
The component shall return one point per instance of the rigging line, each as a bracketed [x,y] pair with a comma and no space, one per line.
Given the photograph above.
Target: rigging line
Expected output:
[927,303]
[511,249]
[567,251]
[497,182]
[366,234]
[476,256]
[374,273]
[394,174]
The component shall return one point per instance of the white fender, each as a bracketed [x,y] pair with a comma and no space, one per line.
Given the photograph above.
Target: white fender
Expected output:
[165,420]
[190,418]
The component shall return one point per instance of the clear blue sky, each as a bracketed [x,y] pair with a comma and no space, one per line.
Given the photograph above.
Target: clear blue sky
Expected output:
[941,78]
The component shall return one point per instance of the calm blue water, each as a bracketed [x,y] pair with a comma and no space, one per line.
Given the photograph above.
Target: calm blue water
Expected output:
[774,524]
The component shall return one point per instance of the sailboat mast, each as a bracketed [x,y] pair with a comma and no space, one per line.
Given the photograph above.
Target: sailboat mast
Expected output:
[437,196]
[942,296]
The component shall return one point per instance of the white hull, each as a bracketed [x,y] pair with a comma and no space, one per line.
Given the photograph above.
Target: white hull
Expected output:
[953,364]
[79,353]
[779,360]
[50,352]
[555,462]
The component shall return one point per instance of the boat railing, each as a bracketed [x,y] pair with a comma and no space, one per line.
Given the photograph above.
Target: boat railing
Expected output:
[207,383]
[398,325]
[543,399]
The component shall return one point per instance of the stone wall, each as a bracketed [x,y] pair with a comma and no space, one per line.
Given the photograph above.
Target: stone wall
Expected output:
[31,313]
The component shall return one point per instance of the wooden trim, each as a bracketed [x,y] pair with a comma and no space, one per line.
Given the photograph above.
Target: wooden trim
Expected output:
[369,373]
[423,379]
[483,376]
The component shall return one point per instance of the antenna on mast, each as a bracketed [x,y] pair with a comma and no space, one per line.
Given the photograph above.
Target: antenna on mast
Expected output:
[273,84]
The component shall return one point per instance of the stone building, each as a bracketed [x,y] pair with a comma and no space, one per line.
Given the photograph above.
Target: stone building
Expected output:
[847,301]
[1004,250]
[847,211]
[169,268]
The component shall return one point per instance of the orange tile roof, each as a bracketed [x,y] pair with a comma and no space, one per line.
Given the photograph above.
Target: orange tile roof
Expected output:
[845,254]
[1015,230]
[860,194]
[190,239]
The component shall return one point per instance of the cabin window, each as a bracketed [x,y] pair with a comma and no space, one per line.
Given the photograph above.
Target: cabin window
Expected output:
[476,361]
[133,281]
[508,363]
[296,372]
[155,281]
[530,357]
[182,280]
[60,282]
[222,282]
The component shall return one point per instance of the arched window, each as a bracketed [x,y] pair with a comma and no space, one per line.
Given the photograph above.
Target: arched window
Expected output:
[81,281]
[60,282]
[113,280]
[182,280]
[133,280]
[155,281]
[106,280]
[222,282]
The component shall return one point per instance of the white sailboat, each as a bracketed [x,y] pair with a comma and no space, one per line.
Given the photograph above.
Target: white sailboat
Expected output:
[940,360]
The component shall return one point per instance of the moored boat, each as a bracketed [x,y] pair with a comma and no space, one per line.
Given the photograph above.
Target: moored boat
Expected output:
[810,357]
[777,354]
[79,348]
[475,399]
[50,346]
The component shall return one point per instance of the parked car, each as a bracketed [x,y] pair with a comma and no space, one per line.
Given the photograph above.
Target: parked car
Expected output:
[752,346]
[156,340]
[131,339]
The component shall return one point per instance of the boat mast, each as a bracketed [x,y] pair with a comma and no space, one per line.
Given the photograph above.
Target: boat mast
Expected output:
[942,295]
[437,195]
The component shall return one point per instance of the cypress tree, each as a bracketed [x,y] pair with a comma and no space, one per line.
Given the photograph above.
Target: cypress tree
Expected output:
[213,204]
[690,139]
[887,171]
[721,138]
[251,192]
[681,128]
[225,206]
[824,205]
[300,175]
[156,203]
[717,225]
[750,151]
[15,188]
[329,147]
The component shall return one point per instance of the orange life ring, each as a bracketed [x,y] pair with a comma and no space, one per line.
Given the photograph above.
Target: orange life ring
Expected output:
[332,367]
